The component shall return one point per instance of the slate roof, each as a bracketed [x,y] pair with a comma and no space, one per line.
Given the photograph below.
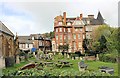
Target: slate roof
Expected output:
[99,16]
[4,29]
[93,21]
[38,37]
[24,39]
[78,22]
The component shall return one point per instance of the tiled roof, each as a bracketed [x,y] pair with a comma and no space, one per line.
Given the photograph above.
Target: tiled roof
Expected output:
[36,36]
[4,29]
[24,39]
[39,36]
[99,16]
[93,21]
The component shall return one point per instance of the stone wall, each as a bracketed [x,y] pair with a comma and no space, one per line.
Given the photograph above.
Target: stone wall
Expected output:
[6,48]
[7,45]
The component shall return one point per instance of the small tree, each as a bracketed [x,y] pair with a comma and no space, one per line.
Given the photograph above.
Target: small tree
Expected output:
[102,41]
[63,47]
[66,47]
[60,47]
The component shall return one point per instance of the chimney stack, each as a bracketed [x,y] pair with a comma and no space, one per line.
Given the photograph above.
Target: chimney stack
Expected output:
[91,16]
[64,18]
[81,16]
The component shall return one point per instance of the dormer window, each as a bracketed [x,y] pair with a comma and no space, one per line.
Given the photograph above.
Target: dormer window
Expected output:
[78,22]
[40,37]
[60,23]
[68,23]
[33,38]
[88,22]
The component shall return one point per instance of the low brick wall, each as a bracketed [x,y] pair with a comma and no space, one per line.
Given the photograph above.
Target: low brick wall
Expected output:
[90,58]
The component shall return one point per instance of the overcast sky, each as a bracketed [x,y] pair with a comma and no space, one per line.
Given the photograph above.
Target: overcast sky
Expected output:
[37,16]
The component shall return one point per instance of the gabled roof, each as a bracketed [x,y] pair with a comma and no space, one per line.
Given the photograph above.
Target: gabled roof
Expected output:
[78,22]
[4,29]
[36,36]
[24,39]
[99,16]
[39,36]
[93,21]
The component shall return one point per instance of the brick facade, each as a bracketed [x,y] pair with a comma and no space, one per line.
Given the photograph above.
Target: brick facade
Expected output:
[73,31]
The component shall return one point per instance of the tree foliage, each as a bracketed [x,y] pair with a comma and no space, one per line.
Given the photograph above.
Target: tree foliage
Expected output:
[63,47]
[49,35]
[106,39]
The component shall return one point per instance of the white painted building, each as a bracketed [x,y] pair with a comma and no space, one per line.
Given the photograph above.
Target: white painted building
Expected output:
[25,43]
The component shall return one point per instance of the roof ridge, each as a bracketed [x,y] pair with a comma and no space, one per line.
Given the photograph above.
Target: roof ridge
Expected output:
[5,29]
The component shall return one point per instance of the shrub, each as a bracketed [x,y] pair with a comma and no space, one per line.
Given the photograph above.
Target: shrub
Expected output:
[55,72]
[107,58]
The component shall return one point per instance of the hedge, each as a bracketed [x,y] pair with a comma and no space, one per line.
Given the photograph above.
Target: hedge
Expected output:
[107,58]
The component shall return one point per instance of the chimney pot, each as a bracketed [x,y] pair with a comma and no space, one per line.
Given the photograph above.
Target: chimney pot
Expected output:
[81,16]
[64,18]
[90,16]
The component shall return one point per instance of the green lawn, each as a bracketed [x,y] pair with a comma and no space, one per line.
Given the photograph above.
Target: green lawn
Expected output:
[92,65]
[16,67]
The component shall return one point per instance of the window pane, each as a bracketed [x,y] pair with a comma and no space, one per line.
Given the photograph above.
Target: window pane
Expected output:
[68,29]
[80,29]
[56,37]
[78,36]
[74,36]
[60,29]
[56,29]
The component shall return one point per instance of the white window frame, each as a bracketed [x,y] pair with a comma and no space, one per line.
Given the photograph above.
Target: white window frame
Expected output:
[56,29]
[83,36]
[64,30]
[68,36]
[76,29]
[68,23]
[60,36]
[60,23]
[69,30]
[79,35]
[56,37]
[88,22]
[74,36]
[80,44]
[33,38]
[60,29]
[81,29]
[64,37]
